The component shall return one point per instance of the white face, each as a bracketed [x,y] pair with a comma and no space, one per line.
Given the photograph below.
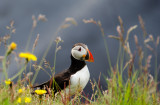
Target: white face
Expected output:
[78,52]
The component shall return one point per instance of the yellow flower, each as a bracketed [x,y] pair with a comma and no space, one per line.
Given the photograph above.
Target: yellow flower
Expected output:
[19,100]
[28,56]
[21,90]
[8,82]
[40,92]
[27,99]
[13,46]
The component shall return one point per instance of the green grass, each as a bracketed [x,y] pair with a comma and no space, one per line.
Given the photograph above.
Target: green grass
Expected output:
[126,84]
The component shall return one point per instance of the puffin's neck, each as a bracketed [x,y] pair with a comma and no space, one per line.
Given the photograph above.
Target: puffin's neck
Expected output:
[76,65]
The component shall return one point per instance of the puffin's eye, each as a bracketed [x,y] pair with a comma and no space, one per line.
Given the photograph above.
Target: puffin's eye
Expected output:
[79,49]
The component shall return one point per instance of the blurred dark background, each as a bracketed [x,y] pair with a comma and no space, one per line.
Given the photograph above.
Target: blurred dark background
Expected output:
[107,11]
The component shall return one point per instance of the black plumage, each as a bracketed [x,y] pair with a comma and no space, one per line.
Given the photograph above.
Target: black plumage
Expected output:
[62,78]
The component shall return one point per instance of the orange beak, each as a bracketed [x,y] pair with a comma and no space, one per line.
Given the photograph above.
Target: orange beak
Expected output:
[90,57]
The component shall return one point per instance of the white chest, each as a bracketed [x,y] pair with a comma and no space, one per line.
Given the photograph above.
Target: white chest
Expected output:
[79,80]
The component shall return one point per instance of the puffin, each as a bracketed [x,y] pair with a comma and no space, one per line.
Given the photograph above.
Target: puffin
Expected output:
[75,78]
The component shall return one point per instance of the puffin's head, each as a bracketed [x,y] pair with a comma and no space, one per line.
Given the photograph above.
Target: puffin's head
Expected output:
[80,51]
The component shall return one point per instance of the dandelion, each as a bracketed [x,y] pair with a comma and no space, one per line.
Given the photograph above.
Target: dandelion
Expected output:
[19,100]
[21,90]
[27,99]
[40,92]
[8,82]
[13,46]
[28,56]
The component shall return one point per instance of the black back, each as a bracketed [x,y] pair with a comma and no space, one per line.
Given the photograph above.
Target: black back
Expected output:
[61,80]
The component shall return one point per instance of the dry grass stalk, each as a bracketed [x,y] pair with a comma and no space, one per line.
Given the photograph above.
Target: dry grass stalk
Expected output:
[11,23]
[26,78]
[58,39]
[8,61]
[136,40]
[141,56]
[140,52]
[121,24]
[92,84]
[149,61]
[142,26]
[42,17]
[150,78]
[1,39]
[67,23]
[125,43]
[35,43]
[34,24]
[1,58]
[129,51]
[127,63]
[149,47]
[39,67]
[93,88]
[129,31]
[5,38]
[29,74]
[147,40]
[90,21]
[147,64]
[13,31]
[150,38]
[1,69]
[36,67]
[17,59]
[114,37]
[100,25]
[130,69]
[99,80]
[72,20]
[157,42]
[11,28]
[65,26]
[46,63]
[120,35]
[58,48]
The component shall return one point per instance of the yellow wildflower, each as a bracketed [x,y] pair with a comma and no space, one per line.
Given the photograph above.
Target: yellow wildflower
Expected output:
[28,56]
[21,90]
[27,99]
[40,92]
[19,100]
[13,46]
[8,82]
